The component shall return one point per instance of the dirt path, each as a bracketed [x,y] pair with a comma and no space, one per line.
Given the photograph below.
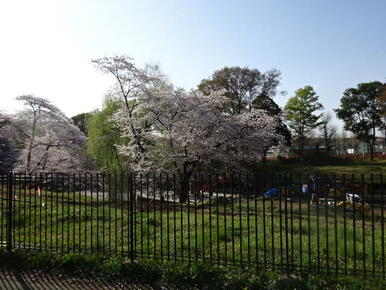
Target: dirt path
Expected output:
[13,279]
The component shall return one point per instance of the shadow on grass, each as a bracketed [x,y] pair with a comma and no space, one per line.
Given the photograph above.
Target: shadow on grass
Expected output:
[16,279]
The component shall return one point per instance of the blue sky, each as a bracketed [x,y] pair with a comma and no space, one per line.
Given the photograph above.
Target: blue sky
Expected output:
[47,45]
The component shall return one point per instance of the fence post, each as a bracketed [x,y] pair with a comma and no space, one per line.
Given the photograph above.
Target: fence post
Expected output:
[9,212]
[131,213]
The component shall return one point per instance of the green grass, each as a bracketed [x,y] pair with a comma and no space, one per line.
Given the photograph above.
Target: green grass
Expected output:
[270,234]
[171,275]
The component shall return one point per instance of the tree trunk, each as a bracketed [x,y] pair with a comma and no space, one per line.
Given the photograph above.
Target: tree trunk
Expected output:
[371,145]
[184,184]
[264,156]
[31,143]
[184,189]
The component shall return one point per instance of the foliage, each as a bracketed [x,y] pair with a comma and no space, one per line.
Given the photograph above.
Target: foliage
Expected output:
[328,132]
[173,129]
[361,113]
[80,121]
[246,89]
[381,100]
[49,140]
[179,275]
[8,144]
[300,112]
[104,135]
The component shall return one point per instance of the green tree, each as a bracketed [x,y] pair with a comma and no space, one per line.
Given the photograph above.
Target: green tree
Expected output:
[247,89]
[361,112]
[104,136]
[381,101]
[301,117]
[80,121]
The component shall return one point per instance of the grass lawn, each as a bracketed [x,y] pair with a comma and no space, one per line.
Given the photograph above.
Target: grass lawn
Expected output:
[325,165]
[268,232]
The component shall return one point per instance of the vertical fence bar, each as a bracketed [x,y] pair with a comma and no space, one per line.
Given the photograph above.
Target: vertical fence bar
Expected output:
[345,225]
[264,235]
[188,190]
[116,213]
[335,189]
[25,210]
[174,218]
[34,216]
[202,217]
[79,212]
[68,211]
[382,225]
[210,220]
[317,222]
[226,199]
[362,210]
[309,225]
[180,199]
[247,192]
[272,225]
[109,211]
[161,216]
[62,205]
[128,191]
[9,211]
[371,191]
[85,213]
[51,209]
[73,212]
[134,191]
[233,220]
[286,222]
[240,221]
[292,222]
[195,219]
[255,220]
[19,201]
[121,207]
[354,225]
[2,211]
[103,213]
[280,222]
[57,213]
[155,218]
[300,197]
[217,223]
[141,210]
[327,232]
[97,213]
[148,215]
[14,210]
[132,197]
[91,213]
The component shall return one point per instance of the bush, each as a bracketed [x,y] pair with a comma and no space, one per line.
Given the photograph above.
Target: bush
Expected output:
[178,275]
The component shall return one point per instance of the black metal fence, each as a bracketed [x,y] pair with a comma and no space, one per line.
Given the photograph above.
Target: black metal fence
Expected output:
[330,223]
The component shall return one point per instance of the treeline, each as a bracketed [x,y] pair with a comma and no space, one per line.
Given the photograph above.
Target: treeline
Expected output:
[146,123]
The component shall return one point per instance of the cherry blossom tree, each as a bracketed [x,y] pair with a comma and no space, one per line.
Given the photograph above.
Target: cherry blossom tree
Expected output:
[50,141]
[8,150]
[171,129]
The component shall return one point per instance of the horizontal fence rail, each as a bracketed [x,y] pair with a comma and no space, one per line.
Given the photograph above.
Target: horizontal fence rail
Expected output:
[332,224]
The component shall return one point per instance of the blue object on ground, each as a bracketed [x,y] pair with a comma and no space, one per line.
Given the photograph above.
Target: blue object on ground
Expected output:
[272,191]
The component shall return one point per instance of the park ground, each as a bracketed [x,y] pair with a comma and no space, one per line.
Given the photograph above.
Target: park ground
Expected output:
[325,165]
